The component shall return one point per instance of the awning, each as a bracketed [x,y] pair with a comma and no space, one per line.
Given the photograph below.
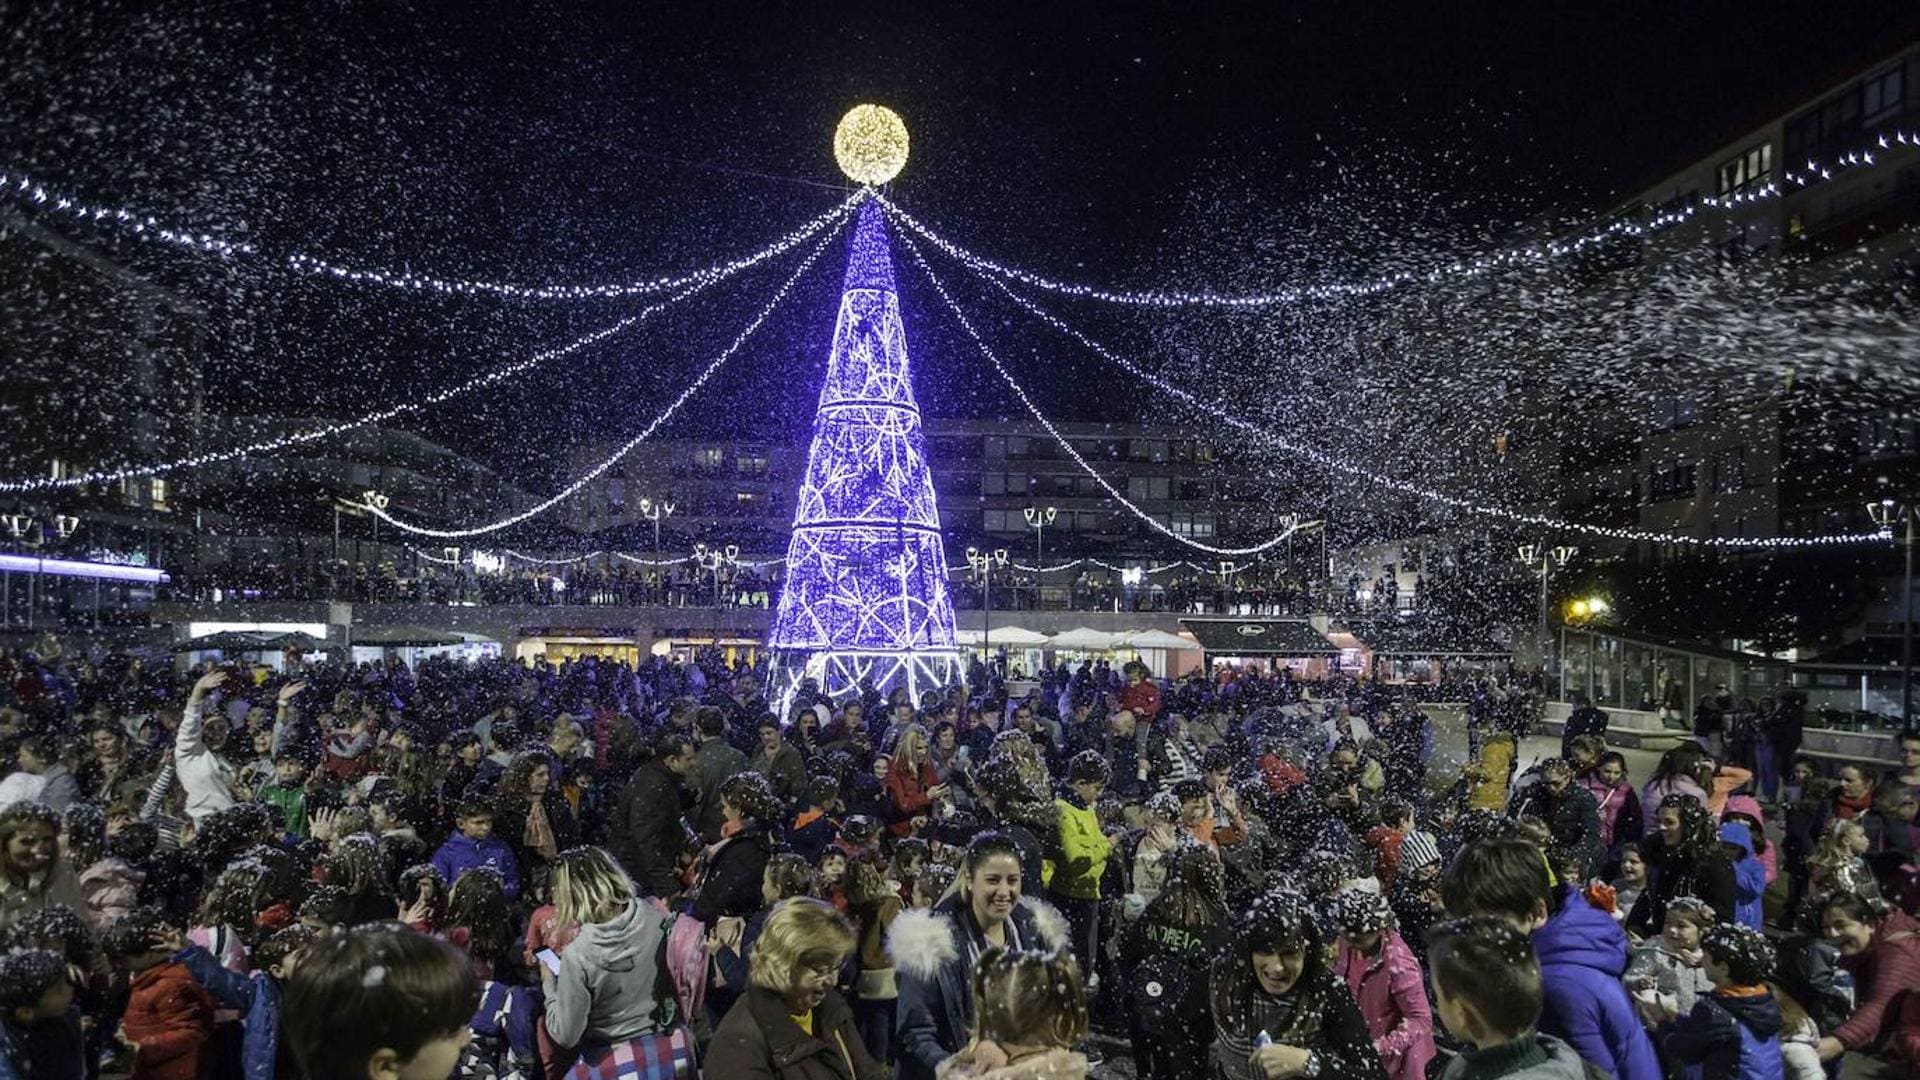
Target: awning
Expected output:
[1415,640]
[1259,637]
[1153,639]
[1013,637]
[227,641]
[405,637]
[1083,639]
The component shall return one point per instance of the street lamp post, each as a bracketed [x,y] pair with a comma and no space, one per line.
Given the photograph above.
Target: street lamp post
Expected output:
[1039,517]
[1884,513]
[1550,559]
[716,559]
[983,564]
[654,511]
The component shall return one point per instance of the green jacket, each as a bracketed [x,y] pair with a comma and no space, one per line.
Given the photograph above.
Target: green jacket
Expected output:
[1083,852]
[292,804]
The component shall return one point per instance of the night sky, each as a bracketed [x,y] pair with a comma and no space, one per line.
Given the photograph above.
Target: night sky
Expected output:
[546,142]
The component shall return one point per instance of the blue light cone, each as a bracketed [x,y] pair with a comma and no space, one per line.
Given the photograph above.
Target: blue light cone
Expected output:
[866,588]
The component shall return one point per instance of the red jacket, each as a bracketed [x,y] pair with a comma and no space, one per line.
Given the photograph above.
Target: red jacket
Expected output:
[907,796]
[1142,699]
[1886,976]
[170,1017]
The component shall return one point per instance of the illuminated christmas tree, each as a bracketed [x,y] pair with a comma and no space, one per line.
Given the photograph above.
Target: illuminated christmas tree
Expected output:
[866,586]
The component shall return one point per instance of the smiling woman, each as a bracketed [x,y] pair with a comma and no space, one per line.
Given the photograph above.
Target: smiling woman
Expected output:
[1278,1010]
[934,951]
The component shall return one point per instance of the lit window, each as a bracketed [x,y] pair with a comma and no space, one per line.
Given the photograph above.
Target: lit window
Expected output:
[159,493]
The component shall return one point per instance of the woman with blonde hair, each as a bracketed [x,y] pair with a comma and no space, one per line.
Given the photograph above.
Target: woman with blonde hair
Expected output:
[610,995]
[792,1024]
[913,786]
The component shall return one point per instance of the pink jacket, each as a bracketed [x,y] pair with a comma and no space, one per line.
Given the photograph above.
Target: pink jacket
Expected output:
[1393,999]
[1750,806]
[112,888]
[1613,804]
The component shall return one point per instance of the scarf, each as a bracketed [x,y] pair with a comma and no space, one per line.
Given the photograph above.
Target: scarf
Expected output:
[539,832]
[1848,807]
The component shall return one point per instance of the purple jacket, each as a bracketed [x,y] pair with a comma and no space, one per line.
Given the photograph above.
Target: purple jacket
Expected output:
[460,854]
[1392,995]
[1583,954]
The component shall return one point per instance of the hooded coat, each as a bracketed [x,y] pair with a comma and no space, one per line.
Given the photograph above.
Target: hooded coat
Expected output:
[933,957]
[1583,954]
[612,984]
[1392,994]
[1749,876]
[1750,806]
[1732,1036]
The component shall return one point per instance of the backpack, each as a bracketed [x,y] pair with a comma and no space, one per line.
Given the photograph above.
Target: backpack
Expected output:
[1165,993]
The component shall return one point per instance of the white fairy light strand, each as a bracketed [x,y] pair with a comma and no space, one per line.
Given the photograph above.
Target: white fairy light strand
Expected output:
[434,558]
[26,189]
[267,446]
[1065,444]
[1538,254]
[1329,461]
[627,448]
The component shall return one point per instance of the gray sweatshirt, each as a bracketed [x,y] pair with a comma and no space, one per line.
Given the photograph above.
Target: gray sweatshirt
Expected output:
[605,991]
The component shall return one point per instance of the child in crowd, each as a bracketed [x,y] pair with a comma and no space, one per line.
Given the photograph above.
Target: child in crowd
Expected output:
[1631,882]
[1386,980]
[1749,876]
[474,845]
[1386,839]
[1029,1011]
[169,1017]
[1733,1032]
[1487,990]
[831,873]
[1665,974]
[41,1022]
[256,996]
[287,794]
[479,919]
[379,1001]
[815,826]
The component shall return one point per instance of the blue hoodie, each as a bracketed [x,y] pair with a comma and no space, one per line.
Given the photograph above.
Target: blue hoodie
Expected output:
[256,996]
[461,854]
[1583,954]
[1749,875]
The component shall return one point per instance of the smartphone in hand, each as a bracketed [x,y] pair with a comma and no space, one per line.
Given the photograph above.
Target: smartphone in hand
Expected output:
[550,958]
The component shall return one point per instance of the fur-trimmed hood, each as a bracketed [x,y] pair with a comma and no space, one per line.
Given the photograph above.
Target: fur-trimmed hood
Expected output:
[923,941]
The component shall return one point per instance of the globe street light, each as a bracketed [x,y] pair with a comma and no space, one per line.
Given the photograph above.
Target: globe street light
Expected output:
[654,511]
[716,559]
[1884,513]
[1550,559]
[1039,517]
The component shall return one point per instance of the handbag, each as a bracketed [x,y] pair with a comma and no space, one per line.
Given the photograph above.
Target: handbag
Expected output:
[667,1055]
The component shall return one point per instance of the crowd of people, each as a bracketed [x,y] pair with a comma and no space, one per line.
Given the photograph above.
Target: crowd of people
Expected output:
[596,870]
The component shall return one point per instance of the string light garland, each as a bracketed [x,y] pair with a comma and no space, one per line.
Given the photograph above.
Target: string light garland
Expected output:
[32,192]
[626,448]
[1329,461]
[1065,444]
[1536,255]
[378,416]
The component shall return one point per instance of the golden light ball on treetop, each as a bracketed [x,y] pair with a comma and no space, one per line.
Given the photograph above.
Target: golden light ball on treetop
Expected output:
[871,144]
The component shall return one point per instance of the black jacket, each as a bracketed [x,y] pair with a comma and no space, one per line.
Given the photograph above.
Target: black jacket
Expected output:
[1674,875]
[1573,819]
[730,885]
[649,832]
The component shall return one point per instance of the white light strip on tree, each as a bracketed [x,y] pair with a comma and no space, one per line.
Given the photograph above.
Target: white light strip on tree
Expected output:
[573,488]
[1539,254]
[1332,462]
[30,191]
